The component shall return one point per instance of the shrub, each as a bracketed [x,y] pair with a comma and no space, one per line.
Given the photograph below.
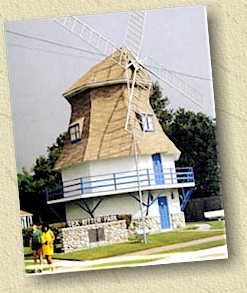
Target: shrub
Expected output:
[55,227]
[127,218]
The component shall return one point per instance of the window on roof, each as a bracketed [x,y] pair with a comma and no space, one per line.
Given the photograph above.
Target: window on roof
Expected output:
[74,133]
[147,123]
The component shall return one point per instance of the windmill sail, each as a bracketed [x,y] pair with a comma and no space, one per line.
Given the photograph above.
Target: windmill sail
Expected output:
[171,79]
[133,41]
[135,32]
[88,35]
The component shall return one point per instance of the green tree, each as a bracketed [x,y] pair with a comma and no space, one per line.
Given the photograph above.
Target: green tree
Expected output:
[160,106]
[32,186]
[26,190]
[194,135]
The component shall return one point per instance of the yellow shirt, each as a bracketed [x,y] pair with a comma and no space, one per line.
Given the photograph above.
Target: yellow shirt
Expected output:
[47,241]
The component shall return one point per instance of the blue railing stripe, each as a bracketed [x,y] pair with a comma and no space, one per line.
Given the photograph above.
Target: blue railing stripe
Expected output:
[115,181]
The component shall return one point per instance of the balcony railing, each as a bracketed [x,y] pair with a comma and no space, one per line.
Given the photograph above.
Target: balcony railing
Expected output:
[121,181]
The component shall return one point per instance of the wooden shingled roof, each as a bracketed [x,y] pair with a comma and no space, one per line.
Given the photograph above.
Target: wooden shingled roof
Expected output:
[107,72]
[99,102]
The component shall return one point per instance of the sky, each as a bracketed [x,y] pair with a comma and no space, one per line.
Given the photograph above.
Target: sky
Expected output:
[40,71]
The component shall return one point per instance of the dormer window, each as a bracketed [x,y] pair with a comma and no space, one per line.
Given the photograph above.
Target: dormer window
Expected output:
[74,133]
[147,122]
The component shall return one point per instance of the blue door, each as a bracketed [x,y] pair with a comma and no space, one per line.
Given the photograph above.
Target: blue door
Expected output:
[158,170]
[164,214]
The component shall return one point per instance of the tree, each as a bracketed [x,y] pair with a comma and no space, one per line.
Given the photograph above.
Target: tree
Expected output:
[194,135]
[159,105]
[32,185]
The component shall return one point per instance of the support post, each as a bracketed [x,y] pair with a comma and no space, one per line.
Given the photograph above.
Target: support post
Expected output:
[46,194]
[148,202]
[171,175]
[114,180]
[139,184]
[186,197]
[82,188]
[148,175]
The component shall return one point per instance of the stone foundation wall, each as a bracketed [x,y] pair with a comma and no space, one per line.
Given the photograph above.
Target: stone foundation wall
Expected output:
[152,223]
[76,238]
[178,220]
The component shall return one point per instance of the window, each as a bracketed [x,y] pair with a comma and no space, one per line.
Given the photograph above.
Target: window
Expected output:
[147,122]
[74,133]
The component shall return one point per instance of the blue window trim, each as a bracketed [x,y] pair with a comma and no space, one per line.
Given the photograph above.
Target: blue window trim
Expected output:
[143,117]
[77,132]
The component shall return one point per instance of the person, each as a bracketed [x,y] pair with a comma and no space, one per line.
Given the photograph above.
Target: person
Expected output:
[36,246]
[47,240]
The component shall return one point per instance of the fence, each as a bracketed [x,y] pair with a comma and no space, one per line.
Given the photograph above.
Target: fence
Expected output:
[196,207]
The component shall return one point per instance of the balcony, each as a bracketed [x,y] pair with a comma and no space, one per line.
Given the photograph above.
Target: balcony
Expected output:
[121,182]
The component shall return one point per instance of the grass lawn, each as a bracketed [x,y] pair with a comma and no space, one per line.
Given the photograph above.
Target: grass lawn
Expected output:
[122,263]
[27,250]
[154,240]
[201,246]
[214,224]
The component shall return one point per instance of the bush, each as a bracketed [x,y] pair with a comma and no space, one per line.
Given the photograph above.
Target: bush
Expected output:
[127,218]
[26,233]
[56,229]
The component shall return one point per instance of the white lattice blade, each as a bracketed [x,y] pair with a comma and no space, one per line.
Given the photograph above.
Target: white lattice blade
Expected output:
[135,32]
[171,79]
[87,34]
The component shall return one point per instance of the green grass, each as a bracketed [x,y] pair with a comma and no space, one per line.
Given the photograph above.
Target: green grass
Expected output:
[197,247]
[27,251]
[122,263]
[154,240]
[29,264]
[214,224]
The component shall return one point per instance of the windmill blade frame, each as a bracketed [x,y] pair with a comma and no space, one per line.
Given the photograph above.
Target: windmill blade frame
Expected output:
[135,32]
[87,34]
[172,80]
[135,28]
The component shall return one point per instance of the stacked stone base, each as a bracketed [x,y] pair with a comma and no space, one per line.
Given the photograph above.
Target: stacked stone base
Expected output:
[76,238]
[178,220]
[151,223]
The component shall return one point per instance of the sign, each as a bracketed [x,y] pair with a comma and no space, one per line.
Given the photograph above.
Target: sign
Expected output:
[91,221]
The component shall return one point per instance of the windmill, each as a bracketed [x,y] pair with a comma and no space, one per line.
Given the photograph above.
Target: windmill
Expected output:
[136,74]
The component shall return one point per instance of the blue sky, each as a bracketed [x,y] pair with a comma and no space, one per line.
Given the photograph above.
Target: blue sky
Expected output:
[39,72]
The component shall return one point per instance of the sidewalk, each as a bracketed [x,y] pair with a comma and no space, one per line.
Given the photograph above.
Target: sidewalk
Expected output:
[215,253]
[146,257]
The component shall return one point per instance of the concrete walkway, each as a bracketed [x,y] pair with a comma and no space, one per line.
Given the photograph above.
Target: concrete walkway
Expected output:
[219,252]
[148,256]
[203,227]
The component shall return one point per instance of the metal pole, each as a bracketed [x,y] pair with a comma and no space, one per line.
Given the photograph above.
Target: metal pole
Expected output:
[138,182]
[130,93]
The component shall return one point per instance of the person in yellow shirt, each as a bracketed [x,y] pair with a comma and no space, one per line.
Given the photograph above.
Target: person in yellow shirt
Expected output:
[47,240]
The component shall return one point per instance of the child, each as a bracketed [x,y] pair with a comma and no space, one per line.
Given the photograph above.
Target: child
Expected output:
[36,246]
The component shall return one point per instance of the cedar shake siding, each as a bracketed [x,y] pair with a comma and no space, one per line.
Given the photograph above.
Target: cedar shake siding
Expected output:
[101,113]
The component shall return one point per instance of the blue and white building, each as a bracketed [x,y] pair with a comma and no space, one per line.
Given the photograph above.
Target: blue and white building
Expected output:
[97,161]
